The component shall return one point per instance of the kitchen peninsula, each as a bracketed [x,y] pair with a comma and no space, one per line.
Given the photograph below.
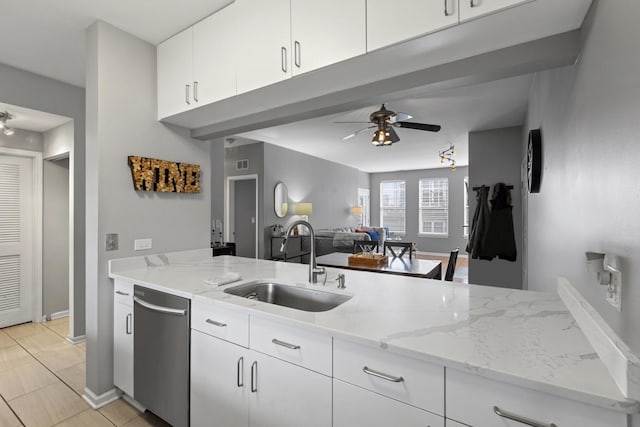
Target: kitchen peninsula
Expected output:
[394,352]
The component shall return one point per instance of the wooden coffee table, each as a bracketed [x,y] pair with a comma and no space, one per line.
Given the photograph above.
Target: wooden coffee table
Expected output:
[427,269]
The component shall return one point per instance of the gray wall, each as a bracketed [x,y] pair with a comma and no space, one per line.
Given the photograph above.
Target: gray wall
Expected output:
[217,180]
[496,156]
[58,140]
[18,87]
[55,237]
[23,140]
[364,179]
[456,207]
[122,121]
[589,200]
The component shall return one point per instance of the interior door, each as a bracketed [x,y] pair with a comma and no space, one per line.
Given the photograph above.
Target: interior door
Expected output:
[16,240]
[245,218]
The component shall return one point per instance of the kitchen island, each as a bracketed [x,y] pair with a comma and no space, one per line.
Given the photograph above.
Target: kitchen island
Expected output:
[486,344]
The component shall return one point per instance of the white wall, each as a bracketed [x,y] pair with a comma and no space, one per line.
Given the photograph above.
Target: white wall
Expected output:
[590,196]
[23,140]
[121,121]
[55,238]
[24,89]
[496,156]
[58,141]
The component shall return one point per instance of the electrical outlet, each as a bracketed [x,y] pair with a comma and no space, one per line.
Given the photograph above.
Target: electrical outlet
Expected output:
[111,242]
[142,244]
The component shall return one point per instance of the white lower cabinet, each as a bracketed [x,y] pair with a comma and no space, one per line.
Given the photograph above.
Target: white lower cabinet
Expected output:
[232,386]
[354,406]
[477,401]
[123,336]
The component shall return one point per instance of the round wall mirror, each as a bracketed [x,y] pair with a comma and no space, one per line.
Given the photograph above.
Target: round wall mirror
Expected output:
[281,200]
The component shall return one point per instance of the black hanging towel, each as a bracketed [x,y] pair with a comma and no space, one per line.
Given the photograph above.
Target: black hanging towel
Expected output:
[479,223]
[499,240]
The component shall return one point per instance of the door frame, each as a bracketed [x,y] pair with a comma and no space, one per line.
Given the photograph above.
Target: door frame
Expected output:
[36,159]
[228,208]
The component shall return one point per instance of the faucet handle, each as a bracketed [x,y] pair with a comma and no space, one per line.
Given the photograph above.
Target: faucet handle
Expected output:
[340,279]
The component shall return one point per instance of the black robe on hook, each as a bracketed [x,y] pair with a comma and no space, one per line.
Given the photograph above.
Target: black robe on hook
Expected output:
[499,240]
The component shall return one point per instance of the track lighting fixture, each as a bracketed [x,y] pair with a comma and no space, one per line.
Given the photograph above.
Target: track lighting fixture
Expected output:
[448,155]
[4,116]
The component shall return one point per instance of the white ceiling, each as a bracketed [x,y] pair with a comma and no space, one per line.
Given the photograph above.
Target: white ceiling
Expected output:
[48,37]
[459,111]
[33,120]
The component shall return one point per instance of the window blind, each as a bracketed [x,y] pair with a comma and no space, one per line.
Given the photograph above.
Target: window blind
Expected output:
[392,205]
[434,206]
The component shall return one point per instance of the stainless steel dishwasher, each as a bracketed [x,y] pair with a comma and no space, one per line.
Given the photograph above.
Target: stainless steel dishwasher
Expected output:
[161,354]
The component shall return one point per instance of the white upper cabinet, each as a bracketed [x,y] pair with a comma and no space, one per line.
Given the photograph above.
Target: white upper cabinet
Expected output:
[393,22]
[326,32]
[175,74]
[264,43]
[197,66]
[214,65]
[473,8]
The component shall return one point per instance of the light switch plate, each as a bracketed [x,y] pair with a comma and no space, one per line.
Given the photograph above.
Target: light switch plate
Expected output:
[142,244]
[111,243]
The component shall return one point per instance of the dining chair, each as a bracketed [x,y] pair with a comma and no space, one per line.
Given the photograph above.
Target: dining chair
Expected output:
[364,246]
[451,266]
[398,249]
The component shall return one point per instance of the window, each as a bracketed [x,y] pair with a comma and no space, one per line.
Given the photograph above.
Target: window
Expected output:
[465,224]
[392,206]
[434,206]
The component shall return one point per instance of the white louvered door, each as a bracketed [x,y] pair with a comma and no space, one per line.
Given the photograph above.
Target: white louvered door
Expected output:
[16,237]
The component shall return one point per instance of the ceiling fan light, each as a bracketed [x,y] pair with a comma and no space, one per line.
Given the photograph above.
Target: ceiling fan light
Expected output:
[8,131]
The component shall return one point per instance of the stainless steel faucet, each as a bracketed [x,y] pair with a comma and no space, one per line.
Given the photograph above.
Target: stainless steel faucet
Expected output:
[314,270]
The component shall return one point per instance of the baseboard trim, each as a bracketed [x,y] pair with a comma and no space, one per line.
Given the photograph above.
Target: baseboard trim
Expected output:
[54,316]
[97,402]
[77,340]
[133,403]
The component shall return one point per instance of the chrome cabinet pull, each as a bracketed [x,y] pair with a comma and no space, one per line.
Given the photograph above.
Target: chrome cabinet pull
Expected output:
[128,328]
[283,54]
[297,54]
[285,344]
[214,323]
[254,377]
[240,376]
[159,308]
[195,91]
[524,420]
[122,293]
[382,375]
[446,8]
[186,95]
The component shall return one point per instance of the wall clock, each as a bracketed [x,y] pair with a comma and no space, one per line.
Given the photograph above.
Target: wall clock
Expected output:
[534,160]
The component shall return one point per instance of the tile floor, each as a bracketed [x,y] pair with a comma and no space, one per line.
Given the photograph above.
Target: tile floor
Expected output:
[42,379]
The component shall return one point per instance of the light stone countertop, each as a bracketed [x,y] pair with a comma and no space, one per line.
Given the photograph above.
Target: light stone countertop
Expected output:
[524,338]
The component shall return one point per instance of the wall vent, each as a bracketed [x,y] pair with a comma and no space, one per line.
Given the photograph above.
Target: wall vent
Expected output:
[242,165]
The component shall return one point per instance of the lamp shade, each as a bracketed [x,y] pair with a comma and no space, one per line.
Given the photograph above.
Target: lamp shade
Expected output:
[303,208]
[356,210]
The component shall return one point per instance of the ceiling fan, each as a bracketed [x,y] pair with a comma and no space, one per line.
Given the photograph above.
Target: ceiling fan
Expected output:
[385,121]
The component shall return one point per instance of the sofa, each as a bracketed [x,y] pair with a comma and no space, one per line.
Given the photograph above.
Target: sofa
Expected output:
[342,239]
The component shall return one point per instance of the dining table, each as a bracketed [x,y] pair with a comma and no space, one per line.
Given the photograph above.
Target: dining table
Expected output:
[405,266]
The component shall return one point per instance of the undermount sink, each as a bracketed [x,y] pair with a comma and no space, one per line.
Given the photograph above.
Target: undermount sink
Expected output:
[289,296]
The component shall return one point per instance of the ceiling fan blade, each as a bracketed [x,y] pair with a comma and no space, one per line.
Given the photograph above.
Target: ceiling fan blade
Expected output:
[400,117]
[418,126]
[357,133]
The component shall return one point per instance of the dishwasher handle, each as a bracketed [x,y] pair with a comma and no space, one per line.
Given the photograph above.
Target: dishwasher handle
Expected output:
[159,308]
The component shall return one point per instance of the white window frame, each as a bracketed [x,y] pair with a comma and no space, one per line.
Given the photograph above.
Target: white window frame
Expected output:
[422,204]
[403,208]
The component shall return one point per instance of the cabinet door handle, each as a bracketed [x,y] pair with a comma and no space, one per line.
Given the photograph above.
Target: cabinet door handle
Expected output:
[382,375]
[297,54]
[446,8]
[128,327]
[254,377]
[240,376]
[214,323]
[285,344]
[195,91]
[524,420]
[283,54]
[186,94]
[122,293]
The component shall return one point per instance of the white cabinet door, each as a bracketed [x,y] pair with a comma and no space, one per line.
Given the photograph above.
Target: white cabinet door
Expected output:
[264,43]
[326,32]
[354,406]
[389,23]
[286,395]
[219,385]
[175,74]
[123,347]
[214,65]
[473,8]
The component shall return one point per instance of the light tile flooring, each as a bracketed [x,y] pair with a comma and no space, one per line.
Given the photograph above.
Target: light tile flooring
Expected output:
[42,379]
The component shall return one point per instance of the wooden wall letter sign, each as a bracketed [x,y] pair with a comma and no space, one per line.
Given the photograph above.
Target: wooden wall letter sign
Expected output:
[164,176]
